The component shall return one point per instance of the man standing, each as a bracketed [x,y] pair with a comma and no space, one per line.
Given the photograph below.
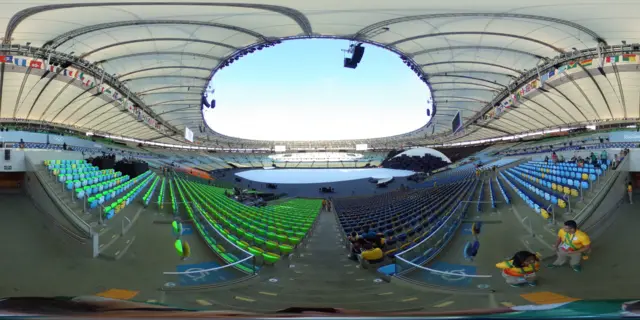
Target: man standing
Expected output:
[571,245]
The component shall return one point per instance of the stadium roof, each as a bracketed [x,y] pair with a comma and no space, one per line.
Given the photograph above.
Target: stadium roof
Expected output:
[160,56]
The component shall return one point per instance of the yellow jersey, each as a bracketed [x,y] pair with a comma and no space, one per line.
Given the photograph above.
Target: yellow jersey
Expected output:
[374,254]
[508,268]
[573,242]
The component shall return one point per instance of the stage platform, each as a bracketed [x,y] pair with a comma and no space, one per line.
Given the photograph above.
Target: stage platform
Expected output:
[305,176]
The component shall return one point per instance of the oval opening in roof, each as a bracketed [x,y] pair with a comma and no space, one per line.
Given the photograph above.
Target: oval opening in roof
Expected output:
[300,90]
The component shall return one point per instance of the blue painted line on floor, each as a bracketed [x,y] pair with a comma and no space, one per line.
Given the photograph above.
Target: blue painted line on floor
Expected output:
[457,279]
[201,277]
[186,231]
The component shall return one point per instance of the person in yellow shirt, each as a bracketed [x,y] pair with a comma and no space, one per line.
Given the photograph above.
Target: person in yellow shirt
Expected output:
[521,269]
[370,255]
[571,245]
[630,192]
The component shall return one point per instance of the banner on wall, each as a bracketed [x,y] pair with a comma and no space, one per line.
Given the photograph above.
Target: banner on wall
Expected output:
[86,81]
[624,136]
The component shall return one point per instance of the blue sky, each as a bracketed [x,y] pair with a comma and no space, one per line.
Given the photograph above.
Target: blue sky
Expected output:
[299,90]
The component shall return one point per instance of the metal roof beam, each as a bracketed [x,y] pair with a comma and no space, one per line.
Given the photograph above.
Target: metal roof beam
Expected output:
[441,75]
[122,43]
[479,33]
[446,73]
[165,87]
[470,62]
[465,83]
[161,68]
[453,48]
[492,15]
[177,53]
[165,76]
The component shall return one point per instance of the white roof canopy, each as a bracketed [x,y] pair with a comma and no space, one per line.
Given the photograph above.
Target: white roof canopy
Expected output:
[166,52]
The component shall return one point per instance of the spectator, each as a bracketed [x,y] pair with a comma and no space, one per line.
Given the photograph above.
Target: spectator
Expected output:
[521,269]
[554,157]
[546,159]
[21,144]
[630,191]
[571,245]
[369,234]
[370,254]
[560,158]
[357,243]
[603,155]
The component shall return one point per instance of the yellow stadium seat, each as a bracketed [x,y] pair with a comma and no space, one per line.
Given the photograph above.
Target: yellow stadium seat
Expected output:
[574,192]
[554,186]
[544,213]
[562,203]
[585,176]
[543,176]
[566,190]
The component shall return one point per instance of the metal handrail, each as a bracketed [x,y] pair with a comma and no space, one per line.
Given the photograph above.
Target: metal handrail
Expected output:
[79,222]
[578,218]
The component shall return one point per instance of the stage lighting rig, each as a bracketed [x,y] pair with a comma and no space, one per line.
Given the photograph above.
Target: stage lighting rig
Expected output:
[356,51]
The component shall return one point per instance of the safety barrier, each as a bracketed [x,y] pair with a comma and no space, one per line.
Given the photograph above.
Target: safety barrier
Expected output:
[210,273]
[416,265]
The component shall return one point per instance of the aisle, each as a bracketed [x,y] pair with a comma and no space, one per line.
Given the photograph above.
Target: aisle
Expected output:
[320,274]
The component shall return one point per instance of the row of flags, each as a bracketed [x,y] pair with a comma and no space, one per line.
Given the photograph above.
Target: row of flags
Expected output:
[87,81]
[507,103]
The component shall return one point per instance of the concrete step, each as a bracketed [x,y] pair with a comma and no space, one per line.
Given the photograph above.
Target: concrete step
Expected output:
[118,248]
[118,227]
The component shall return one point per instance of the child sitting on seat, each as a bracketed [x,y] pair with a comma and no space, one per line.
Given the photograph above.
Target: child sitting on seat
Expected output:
[521,269]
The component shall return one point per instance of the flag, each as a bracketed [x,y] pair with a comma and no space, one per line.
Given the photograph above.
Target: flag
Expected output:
[35,64]
[612,59]
[586,63]
[629,57]
[6,59]
[571,65]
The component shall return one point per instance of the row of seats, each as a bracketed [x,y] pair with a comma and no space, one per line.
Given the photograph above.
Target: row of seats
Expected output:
[527,196]
[219,248]
[425,228]
[266,232]
[506,197]
[172,196]
[564,181]
[395,215]
[427,252]
[420,226]
[149,194]
[479,207]
[98,187]
[161,194]
[114,190]
[119,204]
[491,197]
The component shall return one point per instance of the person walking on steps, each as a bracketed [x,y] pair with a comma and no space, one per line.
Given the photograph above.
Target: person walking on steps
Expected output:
[521,269]
[573,245]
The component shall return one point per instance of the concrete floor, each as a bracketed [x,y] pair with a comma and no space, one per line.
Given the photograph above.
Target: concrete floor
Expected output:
[37,263]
